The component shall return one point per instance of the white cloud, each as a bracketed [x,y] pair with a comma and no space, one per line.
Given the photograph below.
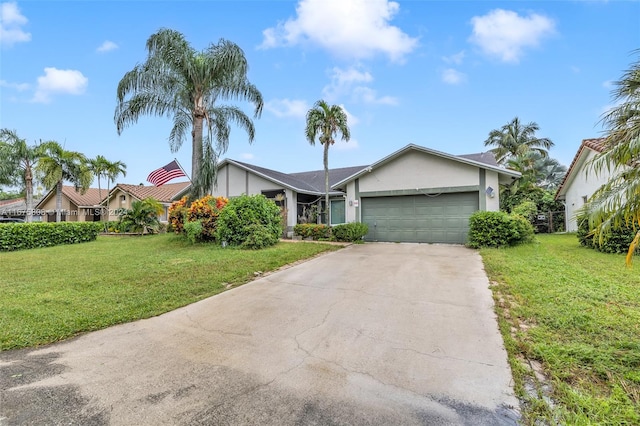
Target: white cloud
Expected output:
[341,145]
[452,76]
[107,46]
[342,81]
[20,87]
[354,29]
[370,96]
[455,58]
[505,34]
[351,82]
[609,84]
[352,120]
[59,81]
[11,22]
[287,107]
[247,156]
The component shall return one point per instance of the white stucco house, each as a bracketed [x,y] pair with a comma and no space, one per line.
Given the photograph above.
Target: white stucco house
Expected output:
[581,182]
[415,194]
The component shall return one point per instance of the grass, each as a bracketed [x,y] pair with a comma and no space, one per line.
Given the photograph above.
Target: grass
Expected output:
[53,293]
[576,312]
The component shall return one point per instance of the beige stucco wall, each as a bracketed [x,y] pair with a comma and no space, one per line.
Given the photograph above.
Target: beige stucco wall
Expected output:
[71,212]
[584,183]
[234,181]
[115,203]
[419,170]
[491,180]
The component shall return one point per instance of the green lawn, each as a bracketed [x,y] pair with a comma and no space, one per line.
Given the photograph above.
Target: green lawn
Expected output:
[577,312]
[54,293]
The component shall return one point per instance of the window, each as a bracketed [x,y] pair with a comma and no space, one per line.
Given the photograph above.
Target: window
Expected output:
[337,212]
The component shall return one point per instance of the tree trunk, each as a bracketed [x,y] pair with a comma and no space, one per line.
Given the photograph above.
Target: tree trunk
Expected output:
[28,177]
[326,182]
[59,201]
[197,152]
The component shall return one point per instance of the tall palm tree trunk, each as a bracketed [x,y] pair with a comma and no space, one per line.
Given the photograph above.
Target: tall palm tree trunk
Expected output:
[28,177]
[59,201]
[326,182]
[197,152]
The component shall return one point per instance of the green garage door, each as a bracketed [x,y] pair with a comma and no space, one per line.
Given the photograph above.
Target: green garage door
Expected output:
[420,218]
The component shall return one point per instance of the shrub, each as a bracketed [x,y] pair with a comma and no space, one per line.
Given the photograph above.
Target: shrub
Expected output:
[617,240]
[237,221]
[19,236]
[315,231]
[206,210]
[526,209]
[193,231]
[142,217]
[177,213]
[258,236]
[350,231]
[524,227]
[498,229]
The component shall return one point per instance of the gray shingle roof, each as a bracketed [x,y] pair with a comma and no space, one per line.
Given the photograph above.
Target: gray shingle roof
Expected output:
[313,182]
[482,157]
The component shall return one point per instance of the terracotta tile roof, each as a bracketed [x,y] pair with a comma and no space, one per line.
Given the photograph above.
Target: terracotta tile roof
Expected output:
[92,197]
[594,144]
[15,200]
[164,193]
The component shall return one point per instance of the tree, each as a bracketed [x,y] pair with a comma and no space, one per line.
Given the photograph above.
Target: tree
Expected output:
[143,216]
[110,170]
[325,122]
[57,165]
[515,139]
[617,202]
[537,170]
[17,164]
[179,82]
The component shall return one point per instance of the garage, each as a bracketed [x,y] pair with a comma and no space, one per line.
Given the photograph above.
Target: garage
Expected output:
[424,218]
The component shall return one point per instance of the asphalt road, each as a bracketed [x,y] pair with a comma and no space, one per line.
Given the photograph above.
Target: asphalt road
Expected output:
[374,334]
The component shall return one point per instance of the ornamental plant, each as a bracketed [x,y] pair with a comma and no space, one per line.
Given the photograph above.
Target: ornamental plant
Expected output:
[177,212]
[206,211]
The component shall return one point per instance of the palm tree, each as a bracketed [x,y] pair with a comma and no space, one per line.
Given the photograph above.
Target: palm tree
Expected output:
[57,165]
[179,82]
[515,139]
[110,170]
[324,122]
[617,202]
[17,163]
[542,172]
[143,216]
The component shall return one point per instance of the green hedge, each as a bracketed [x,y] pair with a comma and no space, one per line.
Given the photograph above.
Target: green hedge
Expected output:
[498,229]
[615,241]
[350,232]
[20,236]
[312,230]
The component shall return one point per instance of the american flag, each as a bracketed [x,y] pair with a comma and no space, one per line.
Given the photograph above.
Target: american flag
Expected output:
[164,174]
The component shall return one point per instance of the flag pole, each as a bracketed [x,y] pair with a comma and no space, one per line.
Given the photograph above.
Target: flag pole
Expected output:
[183,171]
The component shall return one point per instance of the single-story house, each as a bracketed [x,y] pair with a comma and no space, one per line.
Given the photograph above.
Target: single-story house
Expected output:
[122,195]
[76,206]
[580,182]
[415,194]
[15,208]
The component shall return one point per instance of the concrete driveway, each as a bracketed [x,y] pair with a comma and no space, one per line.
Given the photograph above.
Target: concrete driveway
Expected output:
[372,334]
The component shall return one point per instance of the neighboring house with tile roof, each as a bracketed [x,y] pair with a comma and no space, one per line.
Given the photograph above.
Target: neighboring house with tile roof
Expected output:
[77,206]
[17,208]
[581,182]
[122,195]
[416,194]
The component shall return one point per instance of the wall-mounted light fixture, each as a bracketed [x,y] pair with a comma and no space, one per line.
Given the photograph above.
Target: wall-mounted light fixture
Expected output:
[490,192]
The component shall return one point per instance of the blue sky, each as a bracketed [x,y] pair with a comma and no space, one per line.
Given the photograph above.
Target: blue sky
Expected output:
[441,74]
